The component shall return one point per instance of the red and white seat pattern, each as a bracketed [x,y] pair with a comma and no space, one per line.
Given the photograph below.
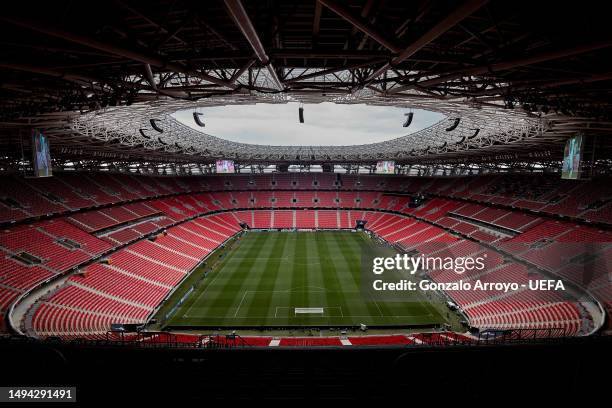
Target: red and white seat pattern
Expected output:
[131,282]
[339,200]
[590,200]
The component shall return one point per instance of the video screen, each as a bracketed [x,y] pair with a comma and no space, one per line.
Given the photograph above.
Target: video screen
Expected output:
[225,166]
[385,167]
[41,154]
[572,158]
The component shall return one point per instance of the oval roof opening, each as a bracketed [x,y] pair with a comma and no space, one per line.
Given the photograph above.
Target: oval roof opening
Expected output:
[325,124]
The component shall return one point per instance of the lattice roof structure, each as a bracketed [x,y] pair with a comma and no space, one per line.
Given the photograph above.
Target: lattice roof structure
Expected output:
[521,76]
[477,128]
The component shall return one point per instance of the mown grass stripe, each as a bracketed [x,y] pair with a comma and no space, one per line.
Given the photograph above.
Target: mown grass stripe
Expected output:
[258,305]
[332,280]
[219,299]
[287,270]
[352,278]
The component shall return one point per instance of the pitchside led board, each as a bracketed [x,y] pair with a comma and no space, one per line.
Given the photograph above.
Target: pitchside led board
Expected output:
[41,156]
[385,167]
[572,158]
[225,166]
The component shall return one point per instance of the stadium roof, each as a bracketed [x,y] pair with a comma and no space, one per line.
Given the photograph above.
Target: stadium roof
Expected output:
[521,76]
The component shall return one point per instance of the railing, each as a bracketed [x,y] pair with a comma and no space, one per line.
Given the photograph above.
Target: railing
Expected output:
[234,341]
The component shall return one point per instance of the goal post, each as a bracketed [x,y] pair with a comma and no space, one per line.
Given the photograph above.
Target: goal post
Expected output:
[309,310]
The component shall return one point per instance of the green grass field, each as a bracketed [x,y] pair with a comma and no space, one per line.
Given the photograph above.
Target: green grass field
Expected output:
[264,276]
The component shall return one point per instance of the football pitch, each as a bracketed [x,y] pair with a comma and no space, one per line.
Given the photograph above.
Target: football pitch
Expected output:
[292,279]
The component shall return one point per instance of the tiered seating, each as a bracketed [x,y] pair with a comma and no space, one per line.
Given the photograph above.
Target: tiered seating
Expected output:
[589,200]
[283,199]
[7,296]
[146,228]
[20,201]
[262,219]
[245,217]
[93,220]
[146,268]
[149,250]
[205,228]
[379,340]
[305,219]
[34,242]
[124,236]
[344,220]
[546,231]
[164,262]
[511,272]
[327,219]
[309,341]
[402,234]
[223,200]
[263,199]
[428,234]
[78,298]
[324,181]
[304,199]
[53,320]
[112,216]
[283,219]
[176,208]
[92,191]
[132,281]
[526,314]
[241,199]
[102,278]
[60,191]
[283,181]
[390,228]
[442,338]
[111,186]
[554,247]
[14,275]
[228,221]
[326,199]
[517,221]
[188,248]
[347,200]
[89,243]
[384,221]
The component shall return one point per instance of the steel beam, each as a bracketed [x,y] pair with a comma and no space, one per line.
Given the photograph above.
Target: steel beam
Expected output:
[113,49]
[361,25]
[316,24]
[242,20]
[503,66]
[454,18]
[333,70]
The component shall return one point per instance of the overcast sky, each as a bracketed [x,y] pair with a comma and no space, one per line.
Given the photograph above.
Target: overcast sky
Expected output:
[325,123]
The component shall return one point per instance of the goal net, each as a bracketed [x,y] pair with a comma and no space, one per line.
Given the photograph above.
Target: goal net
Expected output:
[308,310]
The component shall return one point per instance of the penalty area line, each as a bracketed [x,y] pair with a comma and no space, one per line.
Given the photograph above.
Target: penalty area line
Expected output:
[243,296]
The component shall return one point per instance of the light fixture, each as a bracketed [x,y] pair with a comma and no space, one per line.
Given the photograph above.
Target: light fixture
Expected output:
[155,126]
[454,125]
[409,117]
[197,120]
[144,134]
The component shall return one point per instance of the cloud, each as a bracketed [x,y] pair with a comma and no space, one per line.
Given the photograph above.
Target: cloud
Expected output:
[325,124]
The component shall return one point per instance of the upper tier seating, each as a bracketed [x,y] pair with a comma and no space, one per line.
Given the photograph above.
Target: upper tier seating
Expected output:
[590,200]
[34,241]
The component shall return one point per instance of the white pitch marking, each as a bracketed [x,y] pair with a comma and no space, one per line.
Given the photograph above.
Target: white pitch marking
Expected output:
[243,296]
